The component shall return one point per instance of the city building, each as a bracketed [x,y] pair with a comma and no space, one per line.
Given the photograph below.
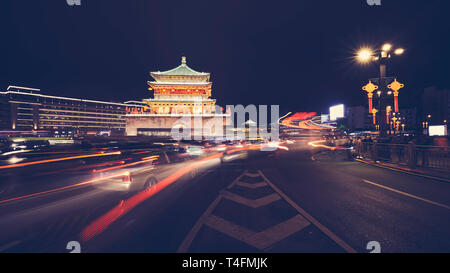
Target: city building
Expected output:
[27,109]
[358,118]
[435,106]
[408,117]
[179,94]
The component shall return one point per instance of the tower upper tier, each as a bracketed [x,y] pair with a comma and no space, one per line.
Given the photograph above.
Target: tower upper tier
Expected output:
[181,74]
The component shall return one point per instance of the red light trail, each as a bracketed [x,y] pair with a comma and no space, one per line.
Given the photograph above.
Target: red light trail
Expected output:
[62,188]
[102,223]
[56,160]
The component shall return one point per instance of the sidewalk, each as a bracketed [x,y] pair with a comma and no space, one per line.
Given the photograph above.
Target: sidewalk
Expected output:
[440,175]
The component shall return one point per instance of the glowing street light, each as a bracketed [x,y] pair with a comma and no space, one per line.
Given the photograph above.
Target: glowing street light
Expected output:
[365,55]
[382,56]
[399,51]
[386,47]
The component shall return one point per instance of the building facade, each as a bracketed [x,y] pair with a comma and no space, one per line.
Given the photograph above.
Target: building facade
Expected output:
[27,109]
[358,118]
[435,106]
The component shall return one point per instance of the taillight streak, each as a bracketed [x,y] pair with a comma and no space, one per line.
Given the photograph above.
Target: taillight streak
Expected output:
[63,188]
[124,165]
[102,223]
[56,160]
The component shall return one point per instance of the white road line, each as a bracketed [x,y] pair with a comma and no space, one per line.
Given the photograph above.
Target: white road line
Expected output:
[407,194]
[256,203]
[184,247]
[9,245]
[260,240]
[404,171]
[252,185]
[251,174]
[280,231]
[325,230]
[237,180]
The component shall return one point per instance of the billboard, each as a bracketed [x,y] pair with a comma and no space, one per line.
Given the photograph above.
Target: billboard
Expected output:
[336,112]
[437,130]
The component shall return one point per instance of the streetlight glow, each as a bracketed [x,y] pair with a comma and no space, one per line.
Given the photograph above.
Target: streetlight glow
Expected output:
[364,55]
[399,51]
[387,47]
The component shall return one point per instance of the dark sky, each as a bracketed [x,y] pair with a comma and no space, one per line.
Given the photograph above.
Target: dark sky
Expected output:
[297,54]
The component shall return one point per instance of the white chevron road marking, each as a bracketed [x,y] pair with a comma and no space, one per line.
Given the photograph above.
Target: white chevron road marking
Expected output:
[260,240]
[255,203]
[316,223]
[252,185]
[246,173]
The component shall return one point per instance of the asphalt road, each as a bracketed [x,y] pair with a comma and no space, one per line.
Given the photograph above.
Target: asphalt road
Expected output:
[284,201]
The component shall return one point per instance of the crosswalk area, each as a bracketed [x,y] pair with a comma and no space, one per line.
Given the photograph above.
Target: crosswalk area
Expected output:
[252,215]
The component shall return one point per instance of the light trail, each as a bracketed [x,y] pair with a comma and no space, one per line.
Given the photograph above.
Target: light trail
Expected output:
[147,159]
[62,188]
[82,168]
[102,223]
[278,121]
[29,132]
[56,160]
[314,144]
[144,152]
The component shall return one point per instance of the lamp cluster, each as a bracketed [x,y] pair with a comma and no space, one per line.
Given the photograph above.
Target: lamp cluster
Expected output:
[367,54]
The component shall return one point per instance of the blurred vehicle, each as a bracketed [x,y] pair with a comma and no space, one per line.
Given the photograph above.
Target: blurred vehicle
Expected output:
[37,145]
[195,150]
[177,154]
[104,133]
[143,175]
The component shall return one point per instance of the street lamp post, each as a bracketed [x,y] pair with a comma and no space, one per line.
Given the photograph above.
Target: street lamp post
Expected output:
[367,55]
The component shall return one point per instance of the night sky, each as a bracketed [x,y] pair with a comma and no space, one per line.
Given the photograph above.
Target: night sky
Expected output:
[297,54]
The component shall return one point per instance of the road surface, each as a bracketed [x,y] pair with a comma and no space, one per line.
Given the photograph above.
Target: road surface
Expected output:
[285,201]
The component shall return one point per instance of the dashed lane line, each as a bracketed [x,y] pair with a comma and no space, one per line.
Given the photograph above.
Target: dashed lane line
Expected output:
[324,229]
[407,194]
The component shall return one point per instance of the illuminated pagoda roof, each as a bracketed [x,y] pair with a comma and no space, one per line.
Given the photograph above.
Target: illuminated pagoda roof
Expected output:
[180,74]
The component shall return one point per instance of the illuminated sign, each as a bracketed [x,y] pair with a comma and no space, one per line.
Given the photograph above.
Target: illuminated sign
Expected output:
[336,112]
[324,118]
[437,130]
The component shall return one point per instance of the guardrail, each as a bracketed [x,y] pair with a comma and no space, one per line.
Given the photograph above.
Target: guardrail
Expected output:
[422,156]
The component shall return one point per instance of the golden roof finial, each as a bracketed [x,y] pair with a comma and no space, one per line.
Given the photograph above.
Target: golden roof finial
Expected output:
[183,60]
